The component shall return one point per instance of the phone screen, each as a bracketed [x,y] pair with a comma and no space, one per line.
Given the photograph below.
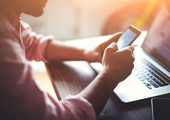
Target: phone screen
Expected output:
[160,109]
[127,37]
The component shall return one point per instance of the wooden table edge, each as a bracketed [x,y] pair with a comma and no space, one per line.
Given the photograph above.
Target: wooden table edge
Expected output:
[52,81]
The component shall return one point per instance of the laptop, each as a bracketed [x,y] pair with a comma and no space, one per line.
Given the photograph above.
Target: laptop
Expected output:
[151,74]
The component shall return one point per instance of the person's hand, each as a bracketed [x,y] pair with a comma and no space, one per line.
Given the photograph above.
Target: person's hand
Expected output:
[117,64]
[96,54]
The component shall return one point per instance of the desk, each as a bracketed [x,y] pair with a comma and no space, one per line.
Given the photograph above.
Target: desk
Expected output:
[71,77]
[43,77]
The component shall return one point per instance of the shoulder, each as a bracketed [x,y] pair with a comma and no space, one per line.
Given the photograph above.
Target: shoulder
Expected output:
[8,36]
[6,29]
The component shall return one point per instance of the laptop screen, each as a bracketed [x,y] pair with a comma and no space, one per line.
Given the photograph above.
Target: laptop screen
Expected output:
[157,42]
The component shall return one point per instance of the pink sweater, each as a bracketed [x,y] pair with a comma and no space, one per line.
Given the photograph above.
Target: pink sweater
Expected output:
[21,96]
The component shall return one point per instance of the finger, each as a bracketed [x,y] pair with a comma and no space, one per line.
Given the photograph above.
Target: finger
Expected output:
[133,55]
[113,39]
[112,48]
[131,48]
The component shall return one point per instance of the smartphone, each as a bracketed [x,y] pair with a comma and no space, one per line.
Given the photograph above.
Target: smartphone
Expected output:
[160,108]
[128,37]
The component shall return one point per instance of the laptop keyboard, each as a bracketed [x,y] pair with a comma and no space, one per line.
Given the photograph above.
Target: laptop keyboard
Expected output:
[149,75]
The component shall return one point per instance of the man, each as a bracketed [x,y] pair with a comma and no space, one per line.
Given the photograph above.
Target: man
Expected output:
[21,96]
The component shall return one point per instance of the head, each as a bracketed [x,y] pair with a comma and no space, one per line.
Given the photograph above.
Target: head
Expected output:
[31,7]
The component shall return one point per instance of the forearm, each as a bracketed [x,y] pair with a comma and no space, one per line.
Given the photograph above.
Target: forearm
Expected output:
[98,91]
[59,51]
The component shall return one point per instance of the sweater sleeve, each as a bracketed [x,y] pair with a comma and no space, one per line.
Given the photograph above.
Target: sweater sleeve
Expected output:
[35,45]
[22,97]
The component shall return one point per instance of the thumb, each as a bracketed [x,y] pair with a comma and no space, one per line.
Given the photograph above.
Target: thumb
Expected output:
[113,39]
[112,48]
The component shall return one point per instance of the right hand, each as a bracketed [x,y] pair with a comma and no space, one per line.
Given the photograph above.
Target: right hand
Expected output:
[117,65]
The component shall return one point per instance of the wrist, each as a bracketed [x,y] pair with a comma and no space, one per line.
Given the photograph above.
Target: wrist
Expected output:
[91,55]
[109,81]
[87,55]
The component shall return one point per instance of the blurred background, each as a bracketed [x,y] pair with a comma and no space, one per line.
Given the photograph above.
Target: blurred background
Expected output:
[73,19]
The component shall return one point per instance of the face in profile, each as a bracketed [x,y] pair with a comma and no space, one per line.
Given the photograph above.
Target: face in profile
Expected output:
[34,7]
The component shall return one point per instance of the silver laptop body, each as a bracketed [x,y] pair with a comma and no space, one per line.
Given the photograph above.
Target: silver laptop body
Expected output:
[151,75]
